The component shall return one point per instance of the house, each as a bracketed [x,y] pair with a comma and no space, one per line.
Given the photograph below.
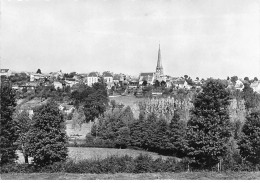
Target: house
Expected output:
[57,75]
[37,77]
[256,86]
[5,72]
[108,77]
[239,85]
[116,78]
[70,82]
[133,83]
[181,84]
[147,76]
[91,78]
[57,85]
[67,108]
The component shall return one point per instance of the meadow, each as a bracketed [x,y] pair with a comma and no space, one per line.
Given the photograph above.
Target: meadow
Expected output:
[80,153]
[131,176]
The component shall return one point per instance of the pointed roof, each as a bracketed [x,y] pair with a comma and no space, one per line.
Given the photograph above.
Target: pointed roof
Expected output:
[159,62]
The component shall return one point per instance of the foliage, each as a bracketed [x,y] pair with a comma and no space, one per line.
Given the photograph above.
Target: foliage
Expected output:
[8,135]
[137,131]
[249,143]
[78,117]
[114,126]
[24,124]
[123,138]
[94,99]
[252,99]
[113,164]
[38,71]
[209,128]
[177,136]
[234,79]
[47,137]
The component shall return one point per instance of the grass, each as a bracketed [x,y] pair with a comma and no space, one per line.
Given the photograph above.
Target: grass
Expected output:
[80,153]
[143,176]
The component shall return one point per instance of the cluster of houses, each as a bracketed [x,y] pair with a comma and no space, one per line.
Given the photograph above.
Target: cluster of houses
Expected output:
[59,80]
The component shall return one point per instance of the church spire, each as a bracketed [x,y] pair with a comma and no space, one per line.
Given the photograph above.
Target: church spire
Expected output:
[159,68]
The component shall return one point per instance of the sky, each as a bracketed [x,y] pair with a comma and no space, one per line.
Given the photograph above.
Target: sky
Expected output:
[200,38]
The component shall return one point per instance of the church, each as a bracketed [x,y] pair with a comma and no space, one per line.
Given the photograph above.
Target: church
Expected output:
[151,77]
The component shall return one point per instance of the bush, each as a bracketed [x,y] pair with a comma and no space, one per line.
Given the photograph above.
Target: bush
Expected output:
[112,164]
[17,168]
[143,164]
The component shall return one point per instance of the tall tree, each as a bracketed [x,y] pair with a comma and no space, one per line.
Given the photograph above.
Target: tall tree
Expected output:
[39,71]
[209,128]
[249,143]
[47,136]
[137,132]
[8,127]
[177,136]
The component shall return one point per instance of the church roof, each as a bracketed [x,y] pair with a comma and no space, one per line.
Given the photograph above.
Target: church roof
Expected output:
[147,74]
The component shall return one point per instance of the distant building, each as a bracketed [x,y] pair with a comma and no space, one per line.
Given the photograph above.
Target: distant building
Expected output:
[239,85]
[148,76]
[151,77]
[256,86]
[108,77]
[36,77]
[5,72]
[91,78]
[57,85]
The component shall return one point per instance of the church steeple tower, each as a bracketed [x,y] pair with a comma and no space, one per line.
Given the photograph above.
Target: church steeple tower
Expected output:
[159,67]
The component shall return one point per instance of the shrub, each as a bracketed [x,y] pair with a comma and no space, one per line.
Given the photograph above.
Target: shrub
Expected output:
[17,168]
[143,164]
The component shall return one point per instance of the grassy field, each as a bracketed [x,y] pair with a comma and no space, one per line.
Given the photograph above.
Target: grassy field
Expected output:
[80,153]
[143,176]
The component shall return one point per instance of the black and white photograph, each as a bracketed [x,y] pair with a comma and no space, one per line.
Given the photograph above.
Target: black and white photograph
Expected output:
[130,90]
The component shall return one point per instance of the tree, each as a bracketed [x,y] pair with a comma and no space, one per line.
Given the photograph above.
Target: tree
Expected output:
[234,79]
[39,71]
[47,137]
[137,131]
[255,79]
[8,135]
[156,83]
[123,137]
[209,128]
[246,79]
[160,134]
[24,123]
[249,143]
[163,83]
[78,117]
[186,77]
[252,99]
[177,136]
